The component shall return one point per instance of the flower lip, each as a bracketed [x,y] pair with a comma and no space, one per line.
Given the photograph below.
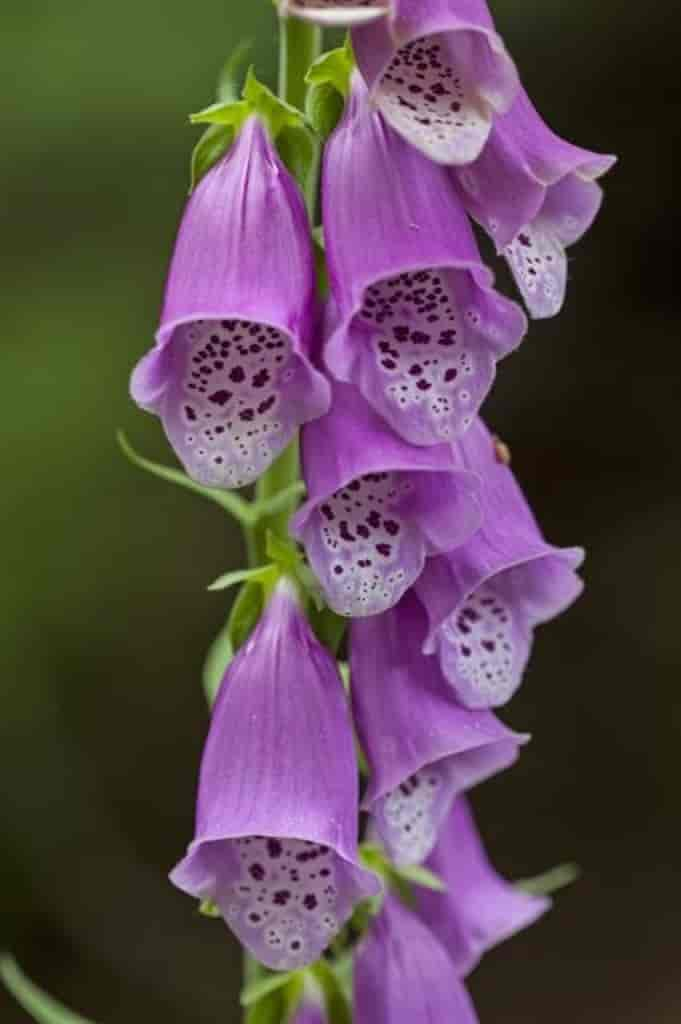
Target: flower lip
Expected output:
[334,15]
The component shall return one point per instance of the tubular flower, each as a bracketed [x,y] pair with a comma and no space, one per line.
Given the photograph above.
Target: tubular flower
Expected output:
[439,73]
[422,748]
[403,974]
[480,909]
[419,328]
[485,598]
[276,830]
[229,375]
[535,194]
[331,13]
[377,507]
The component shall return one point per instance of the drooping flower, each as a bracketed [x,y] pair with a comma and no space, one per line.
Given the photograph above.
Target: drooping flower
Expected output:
[485,598]
[229,375]
[479,909]
[377,507]
[439,73]
[422,748]
[535,194]
[276,831]
[419,328]
[331,13]
[403,975]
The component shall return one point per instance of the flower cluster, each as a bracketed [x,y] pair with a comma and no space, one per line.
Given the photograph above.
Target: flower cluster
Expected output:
[414,527]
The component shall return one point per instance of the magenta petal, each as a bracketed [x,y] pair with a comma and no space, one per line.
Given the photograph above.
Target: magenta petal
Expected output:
[419,328]
[403,975]
[535,194]
[276,830]
[422,748]
[438,72]
[377,507]
[485,598]
[479,909]
[230,375]
[309,1013]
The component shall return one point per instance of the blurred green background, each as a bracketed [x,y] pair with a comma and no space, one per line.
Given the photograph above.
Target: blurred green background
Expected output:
[103,602]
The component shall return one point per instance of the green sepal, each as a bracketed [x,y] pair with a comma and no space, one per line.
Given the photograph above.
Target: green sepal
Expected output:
[328,81]
[263,987]
[217,138]
[329,628]
[337,1005]
[209,909]
[38,1004]
[212,145]
[277,113]
[242,510]
[333,68]
[273,999]
[417,874]
[265,575]
[550,881]
[229,86]
[245,613]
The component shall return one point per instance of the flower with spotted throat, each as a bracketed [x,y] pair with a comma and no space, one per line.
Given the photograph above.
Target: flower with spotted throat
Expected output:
[439,73]
[479,908]
[230,375]
[535,194]
[377,507]
[485,599]
[275,846]
[418,326]
[422,748]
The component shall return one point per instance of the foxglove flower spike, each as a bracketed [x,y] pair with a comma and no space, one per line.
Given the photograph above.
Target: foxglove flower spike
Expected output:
[230,375]
[485,599]
[403,975]
[418,328]
[276,831]
[377,506]
[422,748]
[479,908]
[439,73]
[535,194]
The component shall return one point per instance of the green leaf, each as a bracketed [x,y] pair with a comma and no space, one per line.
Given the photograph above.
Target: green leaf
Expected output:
[228,82]
[337,1005]
[416,874]
[258,990]
[232,503]
[245,613]
[551,881]
[212,145]
[42,1007]
[264,575]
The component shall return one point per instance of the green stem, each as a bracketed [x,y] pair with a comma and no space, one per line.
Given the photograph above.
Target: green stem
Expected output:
[299,45]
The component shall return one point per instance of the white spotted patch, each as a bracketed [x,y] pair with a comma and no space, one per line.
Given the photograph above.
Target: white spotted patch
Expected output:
[427,96]
[539,266]
[226,416]
[364,551]
[288,901]
[483,648]
[409,818]
[429,368]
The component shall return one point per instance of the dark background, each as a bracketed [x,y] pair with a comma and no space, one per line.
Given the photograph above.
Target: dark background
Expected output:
[105,614]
